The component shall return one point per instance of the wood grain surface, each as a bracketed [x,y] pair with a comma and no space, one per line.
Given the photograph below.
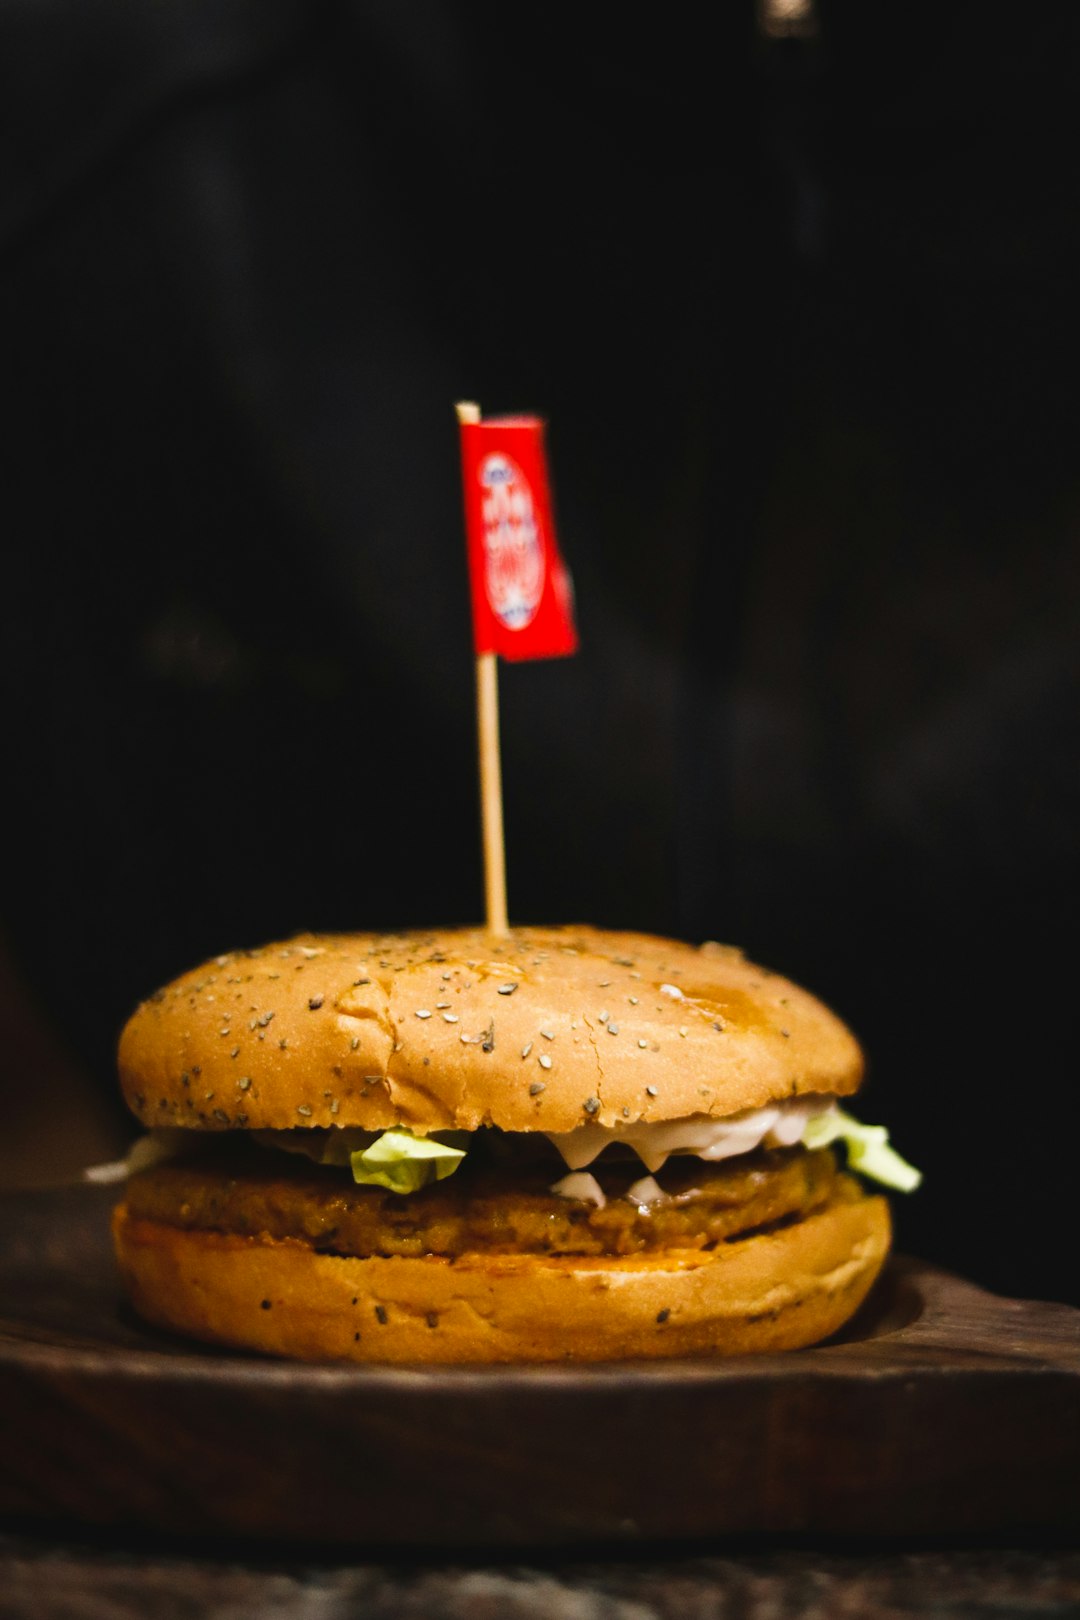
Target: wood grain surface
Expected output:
[942,1411]
[40,1580]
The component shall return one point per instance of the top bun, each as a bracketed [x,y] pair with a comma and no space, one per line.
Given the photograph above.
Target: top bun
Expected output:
[542,1030]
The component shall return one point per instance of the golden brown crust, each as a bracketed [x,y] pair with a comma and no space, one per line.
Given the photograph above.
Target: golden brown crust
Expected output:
[421,1029]
[777,1290]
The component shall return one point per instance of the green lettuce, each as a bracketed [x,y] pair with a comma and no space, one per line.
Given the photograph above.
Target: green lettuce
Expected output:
[395,1158]
[868,1150]
[403,1162]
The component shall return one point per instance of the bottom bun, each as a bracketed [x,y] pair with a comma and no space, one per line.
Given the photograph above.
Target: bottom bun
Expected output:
[775,1290]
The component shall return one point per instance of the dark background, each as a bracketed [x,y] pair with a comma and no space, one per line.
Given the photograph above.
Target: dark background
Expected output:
[801,310]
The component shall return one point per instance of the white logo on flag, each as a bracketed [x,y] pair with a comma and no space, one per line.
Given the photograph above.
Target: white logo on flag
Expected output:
[513,555]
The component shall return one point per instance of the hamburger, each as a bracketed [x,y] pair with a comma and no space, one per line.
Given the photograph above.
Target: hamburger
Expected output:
[447,1146]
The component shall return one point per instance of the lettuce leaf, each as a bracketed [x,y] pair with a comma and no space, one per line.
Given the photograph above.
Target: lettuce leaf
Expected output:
[404,1163]
[868,1150]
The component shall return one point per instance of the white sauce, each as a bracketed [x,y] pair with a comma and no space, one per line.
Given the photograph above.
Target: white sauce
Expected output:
[645,1193]
[583,1186]
[780,1125]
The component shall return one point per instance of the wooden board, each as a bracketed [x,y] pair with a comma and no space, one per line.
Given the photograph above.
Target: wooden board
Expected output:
[943,1410]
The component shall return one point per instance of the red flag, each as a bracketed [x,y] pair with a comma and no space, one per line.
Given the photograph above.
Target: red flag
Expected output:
[522,598]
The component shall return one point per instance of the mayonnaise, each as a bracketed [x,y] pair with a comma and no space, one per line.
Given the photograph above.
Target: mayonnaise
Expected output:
[779,1125]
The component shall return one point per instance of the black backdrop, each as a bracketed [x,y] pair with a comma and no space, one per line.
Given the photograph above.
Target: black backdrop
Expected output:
[802,315]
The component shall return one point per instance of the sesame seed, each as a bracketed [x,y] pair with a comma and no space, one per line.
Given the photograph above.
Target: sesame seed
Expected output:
[548,1034]
[441,1004]
[786,1033]
[544,1061]
[526,1049]
[536,1088]
[380,1314]
[314,1003]
[613,1029]
[244,1082]
[423,1012]
[662,1316]
[603,1017]
[643,1044]
[334,1106]
[354,1044]
[235,1052]
[507,989]
[591,1105]
[282,1044]
[682,1031]
[432,1319]
[626,1113]
[633,1000]
[303,1109]
[650,1091]
[361,981]
[450,1018]
[604,984]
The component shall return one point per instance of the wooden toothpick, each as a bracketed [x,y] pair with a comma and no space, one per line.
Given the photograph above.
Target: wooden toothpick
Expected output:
[487,735]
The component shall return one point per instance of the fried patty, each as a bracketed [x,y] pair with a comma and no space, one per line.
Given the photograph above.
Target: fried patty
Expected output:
[492,1209]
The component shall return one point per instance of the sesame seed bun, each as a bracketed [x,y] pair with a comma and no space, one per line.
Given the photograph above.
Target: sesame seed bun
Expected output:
[544,1030]
[772,1290]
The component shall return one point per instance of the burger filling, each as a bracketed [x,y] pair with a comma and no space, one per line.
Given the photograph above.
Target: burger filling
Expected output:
[501,1202]
[676,1184]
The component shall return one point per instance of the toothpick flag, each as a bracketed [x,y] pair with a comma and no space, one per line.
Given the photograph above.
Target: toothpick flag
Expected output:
[522,599]
[521,593]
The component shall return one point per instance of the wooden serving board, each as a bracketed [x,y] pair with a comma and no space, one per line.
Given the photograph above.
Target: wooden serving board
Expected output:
[943,1410]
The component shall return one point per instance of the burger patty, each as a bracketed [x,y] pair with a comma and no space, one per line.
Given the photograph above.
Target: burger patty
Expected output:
[495,1209]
